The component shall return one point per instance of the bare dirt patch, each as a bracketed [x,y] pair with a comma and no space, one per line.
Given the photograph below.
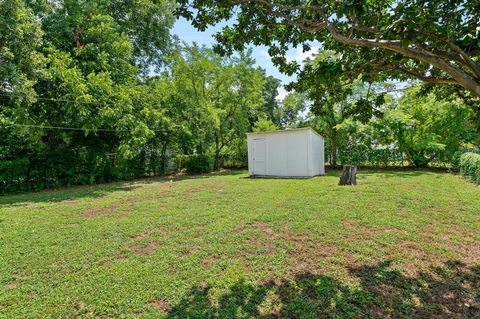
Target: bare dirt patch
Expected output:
[13,284]
[168,192]
[208,261]
[308,253]
[466,244]
[148,232]
[161,305]
[355,230]
[264,228]
[258,225]
[216,187]
[95,212]
[305,252]
[266,245]
[141,248]
[188,250]
[146,250]
[81,305]
[164,194]
[71,202]
[470,252]
[432,246]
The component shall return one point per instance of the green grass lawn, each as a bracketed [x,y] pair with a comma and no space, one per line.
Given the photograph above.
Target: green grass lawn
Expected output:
[400,244]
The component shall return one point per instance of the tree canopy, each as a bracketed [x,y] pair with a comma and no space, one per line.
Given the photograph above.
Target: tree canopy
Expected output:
[80,103]
[434,41]
[95,91]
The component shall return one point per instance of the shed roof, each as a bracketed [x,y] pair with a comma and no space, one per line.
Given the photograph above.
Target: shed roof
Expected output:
[286,131]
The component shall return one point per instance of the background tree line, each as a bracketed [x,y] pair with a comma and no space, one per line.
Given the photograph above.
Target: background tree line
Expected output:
[375,124]
[96,91]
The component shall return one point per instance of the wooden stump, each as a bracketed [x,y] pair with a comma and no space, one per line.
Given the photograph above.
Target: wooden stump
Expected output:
[349,175]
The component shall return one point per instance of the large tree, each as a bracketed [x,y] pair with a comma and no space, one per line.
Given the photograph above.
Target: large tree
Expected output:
[435,41]
[74,107]
[270,93]
[219,94]
[426,128]
[332,100]
[20,38]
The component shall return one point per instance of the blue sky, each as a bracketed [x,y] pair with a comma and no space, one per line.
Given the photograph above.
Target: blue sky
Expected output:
[184,30]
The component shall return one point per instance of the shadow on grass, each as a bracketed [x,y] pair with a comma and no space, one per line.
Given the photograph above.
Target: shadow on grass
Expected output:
[181,177]
[399,174]
[450,291]
[78,192]
[65,194]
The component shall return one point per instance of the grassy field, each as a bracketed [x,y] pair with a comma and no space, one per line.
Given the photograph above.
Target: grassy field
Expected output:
[400,244]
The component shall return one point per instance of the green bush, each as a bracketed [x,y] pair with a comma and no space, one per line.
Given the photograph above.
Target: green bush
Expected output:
[470,166]
[53,168]
[195,164]
[456,161]
[13,174]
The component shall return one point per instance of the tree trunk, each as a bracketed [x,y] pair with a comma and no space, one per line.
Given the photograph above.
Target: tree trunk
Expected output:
[334,148]
[163,158]
[216,163]
[349,175]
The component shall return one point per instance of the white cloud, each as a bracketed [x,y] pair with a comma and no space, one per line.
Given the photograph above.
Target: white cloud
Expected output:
[282,93]
[301,56]
[264,53]
[296,54]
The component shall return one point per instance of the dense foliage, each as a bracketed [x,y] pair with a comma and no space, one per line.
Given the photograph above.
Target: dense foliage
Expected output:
[74,109]
[80,103]
[434,41]
[414,130]
[469,166]
[96,91]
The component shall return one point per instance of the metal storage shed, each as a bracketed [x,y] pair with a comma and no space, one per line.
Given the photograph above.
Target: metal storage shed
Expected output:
[286,153]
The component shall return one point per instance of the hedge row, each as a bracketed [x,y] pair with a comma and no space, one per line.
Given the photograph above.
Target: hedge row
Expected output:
[469,166]
[203,163]
[194,164]
[58,168]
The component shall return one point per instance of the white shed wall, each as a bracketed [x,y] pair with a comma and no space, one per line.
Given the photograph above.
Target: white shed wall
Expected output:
[291,153]
[318,154]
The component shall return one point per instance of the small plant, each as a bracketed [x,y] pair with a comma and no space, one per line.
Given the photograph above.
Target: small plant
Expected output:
[470,166]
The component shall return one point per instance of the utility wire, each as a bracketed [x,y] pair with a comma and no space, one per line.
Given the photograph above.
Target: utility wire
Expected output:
[73,128]
[65,127]
[58,100]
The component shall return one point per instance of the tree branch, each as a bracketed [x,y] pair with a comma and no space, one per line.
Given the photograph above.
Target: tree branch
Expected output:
[460,76]
[273,9]
[475,67]
[292,15]
[428,79]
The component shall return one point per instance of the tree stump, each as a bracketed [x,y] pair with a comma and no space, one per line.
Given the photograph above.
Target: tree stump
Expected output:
[349,175]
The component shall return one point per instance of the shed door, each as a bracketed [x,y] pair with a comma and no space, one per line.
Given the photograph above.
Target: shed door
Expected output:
[259,157]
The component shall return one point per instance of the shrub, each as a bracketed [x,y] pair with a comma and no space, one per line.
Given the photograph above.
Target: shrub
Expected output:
[195,164]
[13,174]
[470,166]
[456,161]
[54,168]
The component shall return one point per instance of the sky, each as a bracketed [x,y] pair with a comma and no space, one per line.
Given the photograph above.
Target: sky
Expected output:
[184,30]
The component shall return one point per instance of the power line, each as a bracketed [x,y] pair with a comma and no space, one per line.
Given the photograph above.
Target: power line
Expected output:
[66,127]
[73,128]
[58,100]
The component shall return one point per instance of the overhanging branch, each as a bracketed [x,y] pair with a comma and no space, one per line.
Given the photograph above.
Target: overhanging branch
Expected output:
[428,79]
